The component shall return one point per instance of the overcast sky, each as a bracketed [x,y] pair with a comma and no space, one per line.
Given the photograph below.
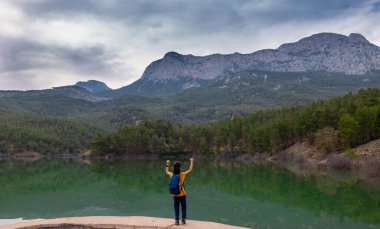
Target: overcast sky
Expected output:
[48,43]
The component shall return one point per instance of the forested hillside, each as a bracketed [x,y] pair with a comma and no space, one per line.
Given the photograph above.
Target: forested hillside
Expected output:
[232,94]
[333,125]
[43,135]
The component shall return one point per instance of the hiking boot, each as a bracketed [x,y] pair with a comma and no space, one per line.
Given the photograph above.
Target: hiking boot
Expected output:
[176,223]
[183,221]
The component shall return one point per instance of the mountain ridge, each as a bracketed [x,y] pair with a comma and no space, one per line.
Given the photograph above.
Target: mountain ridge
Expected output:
[273,59]
[322,52]
[93,86]
[229,91]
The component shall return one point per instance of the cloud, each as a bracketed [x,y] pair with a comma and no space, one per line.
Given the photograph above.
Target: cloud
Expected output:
[55,42]
[22,54]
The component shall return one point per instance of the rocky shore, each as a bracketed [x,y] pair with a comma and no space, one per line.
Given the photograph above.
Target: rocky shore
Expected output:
[363,160]
[115,222]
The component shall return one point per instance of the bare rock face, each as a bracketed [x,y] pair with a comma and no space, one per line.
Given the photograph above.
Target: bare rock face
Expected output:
[330,52]
[175,65]
[323,52]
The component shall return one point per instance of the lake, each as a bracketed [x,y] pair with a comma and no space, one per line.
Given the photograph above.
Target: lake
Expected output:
[260,196]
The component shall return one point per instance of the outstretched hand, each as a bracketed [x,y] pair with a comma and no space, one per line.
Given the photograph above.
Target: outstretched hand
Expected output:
[167,162]
[191,165]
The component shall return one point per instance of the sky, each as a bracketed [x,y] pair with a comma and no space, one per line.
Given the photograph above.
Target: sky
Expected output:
[50,43]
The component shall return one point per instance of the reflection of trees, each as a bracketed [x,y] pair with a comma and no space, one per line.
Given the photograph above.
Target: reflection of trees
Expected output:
[146,176]
[41,177]
[43,189]
[318,194]
[354,200]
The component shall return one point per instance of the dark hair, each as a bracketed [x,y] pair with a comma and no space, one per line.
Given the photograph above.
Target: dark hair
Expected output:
[177,167]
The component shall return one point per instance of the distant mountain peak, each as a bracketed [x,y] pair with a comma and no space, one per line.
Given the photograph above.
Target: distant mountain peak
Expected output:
[357,37]
[93,86]
[324,36]
[323,40]
[172,54]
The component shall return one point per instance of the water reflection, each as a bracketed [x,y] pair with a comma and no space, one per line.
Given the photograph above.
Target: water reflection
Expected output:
[229,192]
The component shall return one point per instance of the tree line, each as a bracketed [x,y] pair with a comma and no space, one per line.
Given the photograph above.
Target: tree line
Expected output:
[332,125]
[45,135]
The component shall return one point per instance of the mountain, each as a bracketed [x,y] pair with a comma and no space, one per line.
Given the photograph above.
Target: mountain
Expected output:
[235,94]
[327,52]
[190,89]
[93,86]
[72,92]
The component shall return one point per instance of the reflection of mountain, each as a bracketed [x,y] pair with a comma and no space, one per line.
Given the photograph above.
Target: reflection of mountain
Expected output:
[140,187]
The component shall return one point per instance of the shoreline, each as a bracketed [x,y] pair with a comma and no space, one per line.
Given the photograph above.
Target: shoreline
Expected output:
[300,148]
[116,222]
[363,160]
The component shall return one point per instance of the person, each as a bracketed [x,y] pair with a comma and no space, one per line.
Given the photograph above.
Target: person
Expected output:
[179,199]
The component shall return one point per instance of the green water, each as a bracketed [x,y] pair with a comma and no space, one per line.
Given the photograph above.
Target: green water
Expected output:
[227,192]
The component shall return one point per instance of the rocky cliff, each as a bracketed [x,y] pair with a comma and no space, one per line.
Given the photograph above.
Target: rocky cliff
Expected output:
[330,52]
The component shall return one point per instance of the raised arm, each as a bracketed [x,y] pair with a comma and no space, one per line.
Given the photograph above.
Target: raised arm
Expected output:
[191,166]
[167,167]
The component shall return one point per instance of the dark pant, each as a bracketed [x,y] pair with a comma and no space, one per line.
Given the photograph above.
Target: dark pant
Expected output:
[180,200]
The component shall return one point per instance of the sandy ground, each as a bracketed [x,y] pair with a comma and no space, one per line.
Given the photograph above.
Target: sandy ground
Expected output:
[119,222]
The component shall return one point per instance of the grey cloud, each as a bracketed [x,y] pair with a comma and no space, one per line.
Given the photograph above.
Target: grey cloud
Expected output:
[185,19]
[22,54]
[189,12]
[191,18]
[143,30]
[376,6]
